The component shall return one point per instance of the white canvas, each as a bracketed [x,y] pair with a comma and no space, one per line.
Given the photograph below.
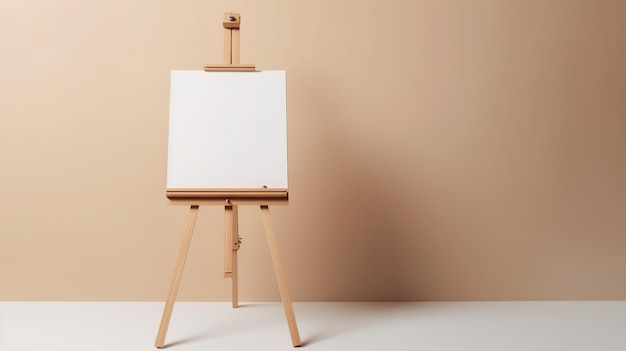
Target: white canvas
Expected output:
[227,130]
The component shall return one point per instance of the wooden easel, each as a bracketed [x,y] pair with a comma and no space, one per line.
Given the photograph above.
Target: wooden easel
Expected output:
[230,199]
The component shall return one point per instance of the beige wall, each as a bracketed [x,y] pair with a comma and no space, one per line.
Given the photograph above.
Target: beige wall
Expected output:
[438,150]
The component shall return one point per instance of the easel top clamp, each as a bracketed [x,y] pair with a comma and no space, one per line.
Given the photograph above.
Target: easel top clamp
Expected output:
[231,23]
[256,196]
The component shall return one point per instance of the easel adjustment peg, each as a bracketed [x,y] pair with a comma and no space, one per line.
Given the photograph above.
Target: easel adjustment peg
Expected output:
[237,244]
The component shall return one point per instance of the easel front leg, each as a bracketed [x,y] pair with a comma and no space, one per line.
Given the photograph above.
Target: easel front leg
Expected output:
[178,273]
[280,275]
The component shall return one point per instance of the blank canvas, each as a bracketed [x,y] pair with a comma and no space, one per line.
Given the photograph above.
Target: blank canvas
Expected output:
[227,130]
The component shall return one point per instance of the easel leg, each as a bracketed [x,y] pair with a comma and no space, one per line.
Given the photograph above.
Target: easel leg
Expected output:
[178,273]
[280,275]
[234,247]
[231,245]
[228,241]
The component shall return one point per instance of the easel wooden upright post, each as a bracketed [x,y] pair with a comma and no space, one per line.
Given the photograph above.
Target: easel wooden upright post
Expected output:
[230,199]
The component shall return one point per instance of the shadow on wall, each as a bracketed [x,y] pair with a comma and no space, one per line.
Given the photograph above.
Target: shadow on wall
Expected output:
[371,225]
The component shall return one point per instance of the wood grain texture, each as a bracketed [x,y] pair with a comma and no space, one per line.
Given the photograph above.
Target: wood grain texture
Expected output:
[227,193]
[178,273]
[190,201]
[229,68]
[228,246]
[234,248]
[280,275]
[235,46]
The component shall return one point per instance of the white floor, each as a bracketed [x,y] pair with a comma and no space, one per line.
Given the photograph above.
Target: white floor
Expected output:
[432,326]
